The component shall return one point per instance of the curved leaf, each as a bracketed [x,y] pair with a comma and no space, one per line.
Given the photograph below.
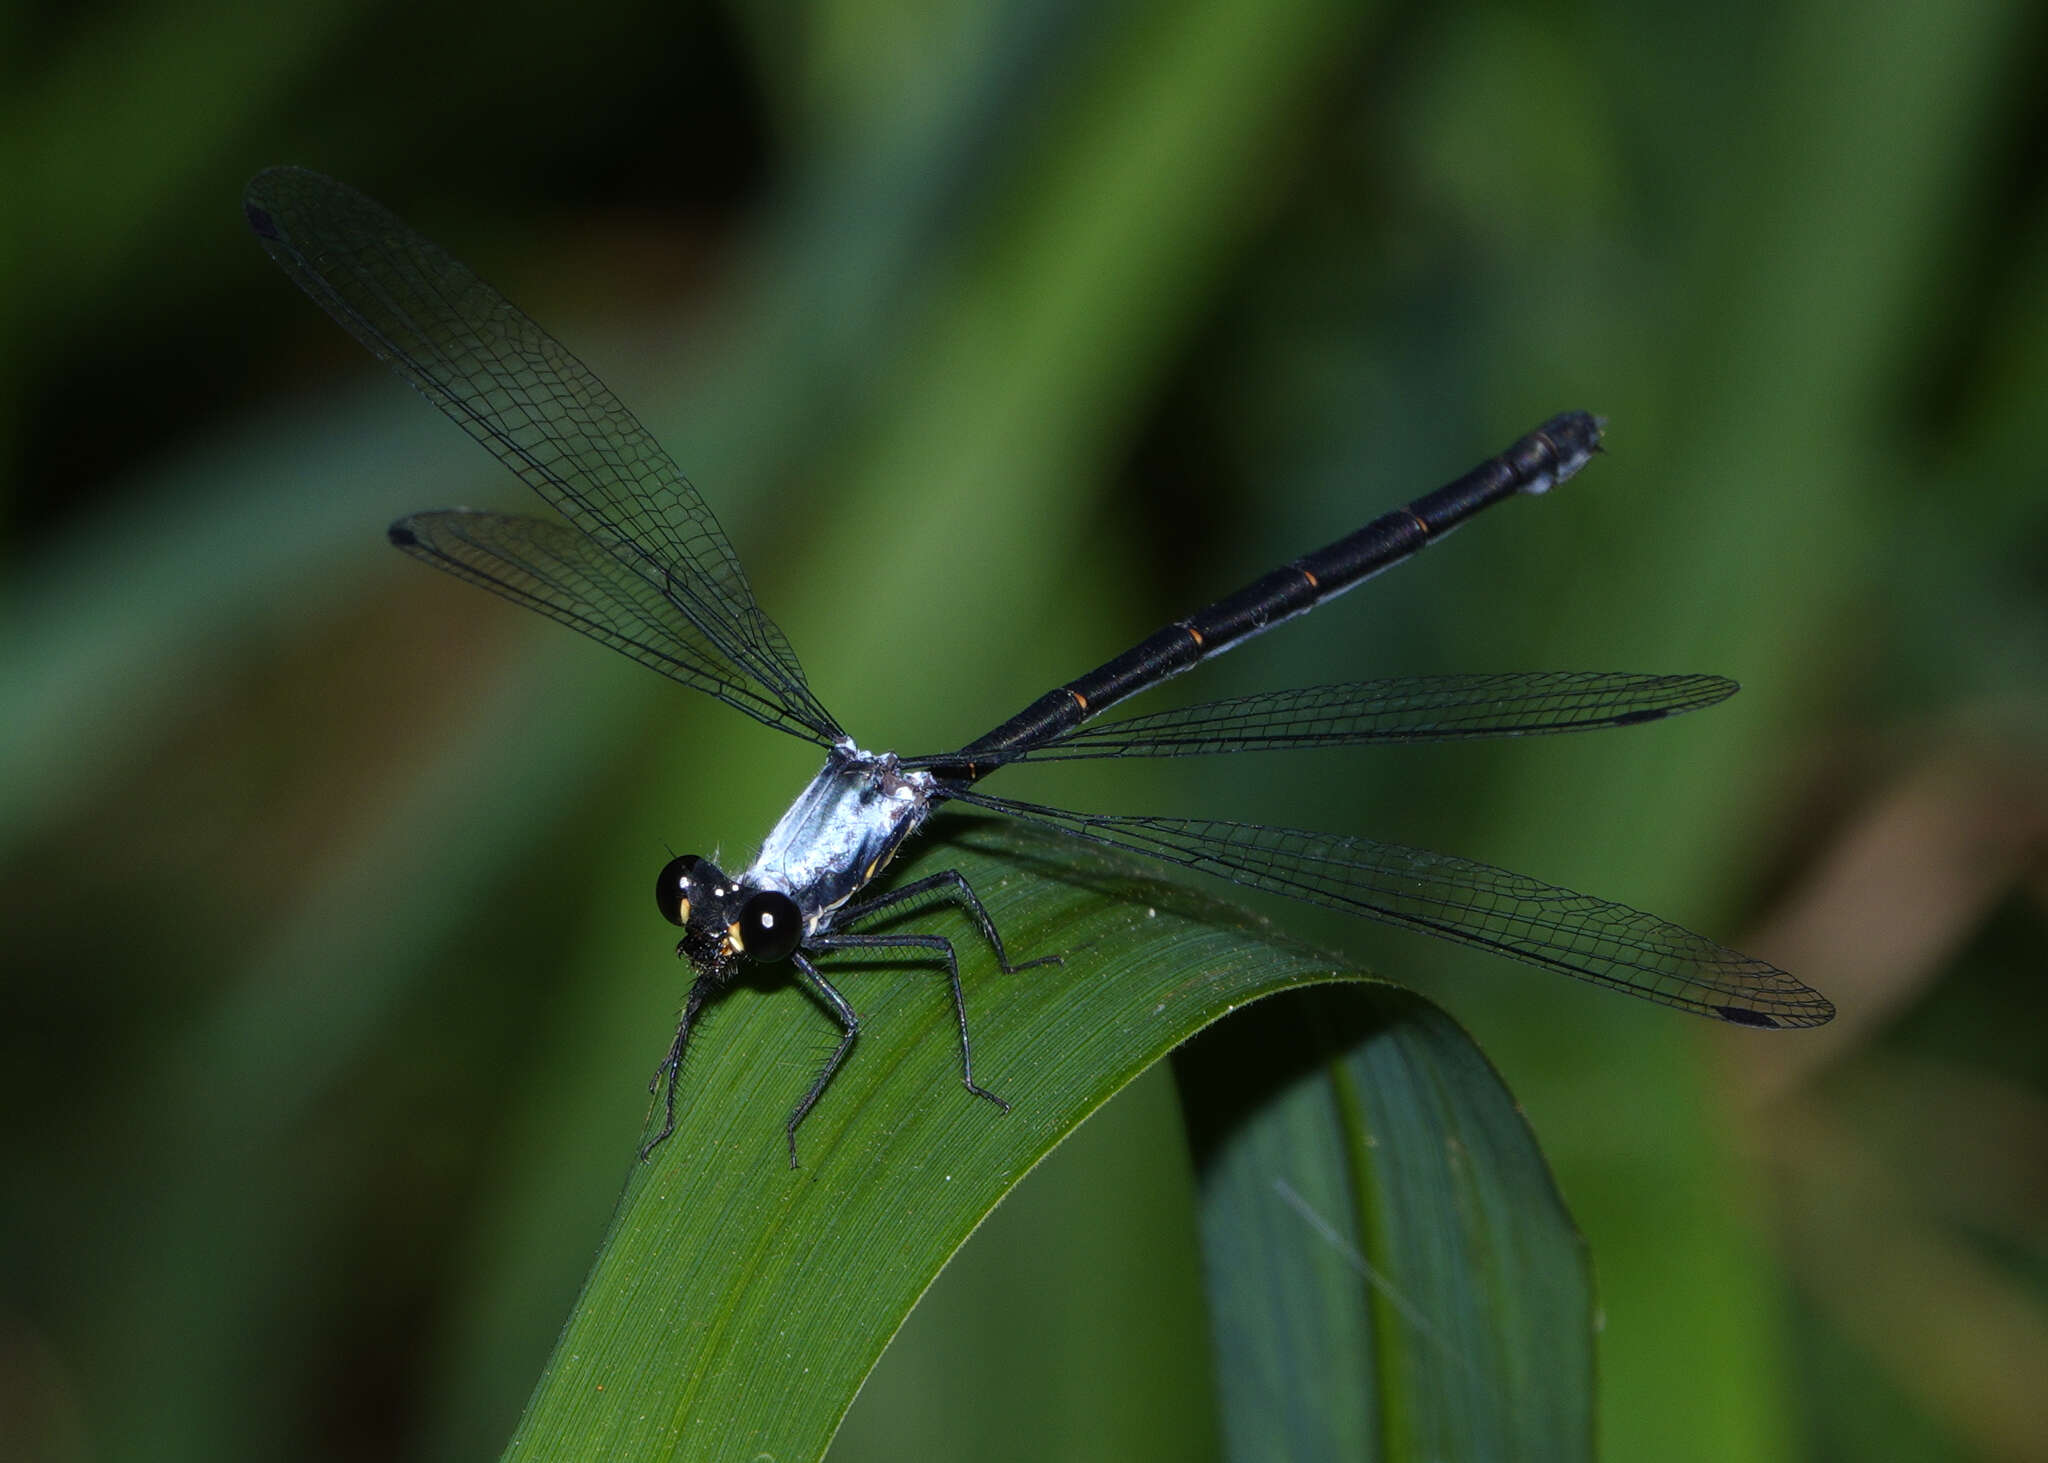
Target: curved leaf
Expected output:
[1391,1271]
[736,1305]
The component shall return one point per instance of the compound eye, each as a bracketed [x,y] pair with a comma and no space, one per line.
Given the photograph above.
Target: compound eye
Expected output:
[672,888]
[770,926]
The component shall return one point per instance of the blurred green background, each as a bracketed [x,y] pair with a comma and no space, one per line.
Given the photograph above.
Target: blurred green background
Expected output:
[998,333]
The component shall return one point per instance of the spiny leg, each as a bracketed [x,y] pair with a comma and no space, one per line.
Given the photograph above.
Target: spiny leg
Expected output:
[956,891]
[848,1023]
[924,942]
[672,1065]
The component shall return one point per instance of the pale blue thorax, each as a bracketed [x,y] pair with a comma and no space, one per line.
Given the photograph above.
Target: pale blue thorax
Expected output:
[842,829]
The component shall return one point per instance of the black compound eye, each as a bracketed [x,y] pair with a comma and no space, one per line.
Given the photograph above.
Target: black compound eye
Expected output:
[770,926]
[672,888]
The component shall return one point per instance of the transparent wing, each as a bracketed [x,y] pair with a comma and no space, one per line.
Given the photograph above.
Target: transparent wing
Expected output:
[1472,903]
[577,579]
[1408,709]
[518,391]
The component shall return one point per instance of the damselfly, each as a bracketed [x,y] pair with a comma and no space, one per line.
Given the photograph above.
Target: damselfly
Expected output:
[642,565]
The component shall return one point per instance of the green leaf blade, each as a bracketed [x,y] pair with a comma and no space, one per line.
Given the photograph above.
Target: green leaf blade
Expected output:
[1391,1271]
[736,1305]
